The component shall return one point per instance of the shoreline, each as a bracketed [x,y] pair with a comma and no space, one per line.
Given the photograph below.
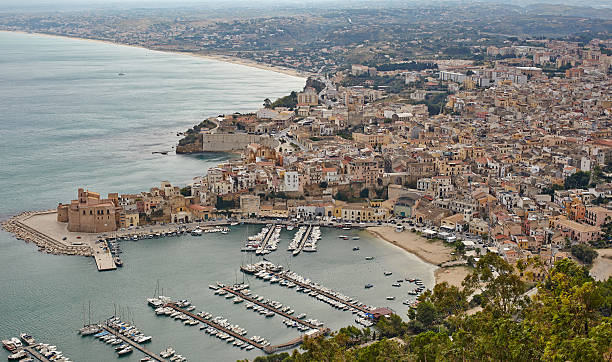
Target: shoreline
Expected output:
[430,253]
[220,57]
[47,235]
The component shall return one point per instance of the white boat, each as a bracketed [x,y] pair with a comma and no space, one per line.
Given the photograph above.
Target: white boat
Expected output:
[197,232]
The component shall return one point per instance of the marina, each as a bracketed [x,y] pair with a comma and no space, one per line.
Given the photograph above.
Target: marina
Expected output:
[271,327]
[266,270]
[241,294]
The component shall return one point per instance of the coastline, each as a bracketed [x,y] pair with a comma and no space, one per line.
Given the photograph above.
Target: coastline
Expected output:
[434,253]
[211,56]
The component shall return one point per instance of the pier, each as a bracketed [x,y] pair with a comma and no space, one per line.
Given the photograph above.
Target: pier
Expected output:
[104,260]
[296,341]
[322,292]
[266,239]
[133,344]
[216,326]
[35,354]
[270,308]
[303,241]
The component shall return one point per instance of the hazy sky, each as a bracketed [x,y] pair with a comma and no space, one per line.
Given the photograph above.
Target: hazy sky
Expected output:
[63,5]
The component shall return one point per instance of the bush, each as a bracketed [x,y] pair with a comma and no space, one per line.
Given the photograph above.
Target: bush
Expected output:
[584,253]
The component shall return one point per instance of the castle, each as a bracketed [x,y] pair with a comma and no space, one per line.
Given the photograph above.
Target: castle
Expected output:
[89,213]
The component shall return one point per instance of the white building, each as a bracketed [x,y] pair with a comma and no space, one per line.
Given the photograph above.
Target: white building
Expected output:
[291,181]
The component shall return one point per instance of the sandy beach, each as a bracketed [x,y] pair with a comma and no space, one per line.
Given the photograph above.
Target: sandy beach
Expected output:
[602,266]
[214,56]
[433,252]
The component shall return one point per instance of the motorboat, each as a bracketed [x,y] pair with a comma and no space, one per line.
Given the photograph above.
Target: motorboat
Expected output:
[390,298]
[29,340]
[387,273]
[368,286]
[356,248]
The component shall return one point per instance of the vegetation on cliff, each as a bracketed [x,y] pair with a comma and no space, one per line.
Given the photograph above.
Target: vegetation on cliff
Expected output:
[567,319]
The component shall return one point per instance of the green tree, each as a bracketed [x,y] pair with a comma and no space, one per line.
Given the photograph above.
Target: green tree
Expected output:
[503,289]
[584,253]
[579,180]
[186,191]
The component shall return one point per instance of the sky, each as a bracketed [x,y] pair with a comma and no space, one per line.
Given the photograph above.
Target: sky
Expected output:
[67,5]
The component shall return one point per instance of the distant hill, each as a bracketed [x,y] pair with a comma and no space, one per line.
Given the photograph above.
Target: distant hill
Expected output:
[568,10]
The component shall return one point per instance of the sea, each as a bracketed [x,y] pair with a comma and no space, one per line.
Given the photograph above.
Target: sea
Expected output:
[68,119]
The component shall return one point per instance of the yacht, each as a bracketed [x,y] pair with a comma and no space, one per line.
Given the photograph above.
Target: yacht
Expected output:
[8,345]
[29,340]
[17,356]
[125,351]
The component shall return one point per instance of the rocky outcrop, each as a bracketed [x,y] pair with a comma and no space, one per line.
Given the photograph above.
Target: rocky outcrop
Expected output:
[190,145]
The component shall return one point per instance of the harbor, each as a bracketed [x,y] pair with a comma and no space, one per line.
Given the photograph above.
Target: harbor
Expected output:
[179,279]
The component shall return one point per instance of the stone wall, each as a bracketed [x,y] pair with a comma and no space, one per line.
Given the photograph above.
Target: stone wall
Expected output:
[226,142]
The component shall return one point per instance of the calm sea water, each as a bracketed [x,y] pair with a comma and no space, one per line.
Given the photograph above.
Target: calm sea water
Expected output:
[68,120]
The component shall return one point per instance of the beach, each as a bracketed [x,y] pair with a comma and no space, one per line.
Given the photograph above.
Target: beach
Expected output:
[214,56]
[432,252]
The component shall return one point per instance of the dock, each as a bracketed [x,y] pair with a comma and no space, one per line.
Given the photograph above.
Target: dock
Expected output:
[295,342]
[133,344]
[266,239]
[216,326]
[303,241]
[270,308]
[35,354]
[104,260]
[322,292]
